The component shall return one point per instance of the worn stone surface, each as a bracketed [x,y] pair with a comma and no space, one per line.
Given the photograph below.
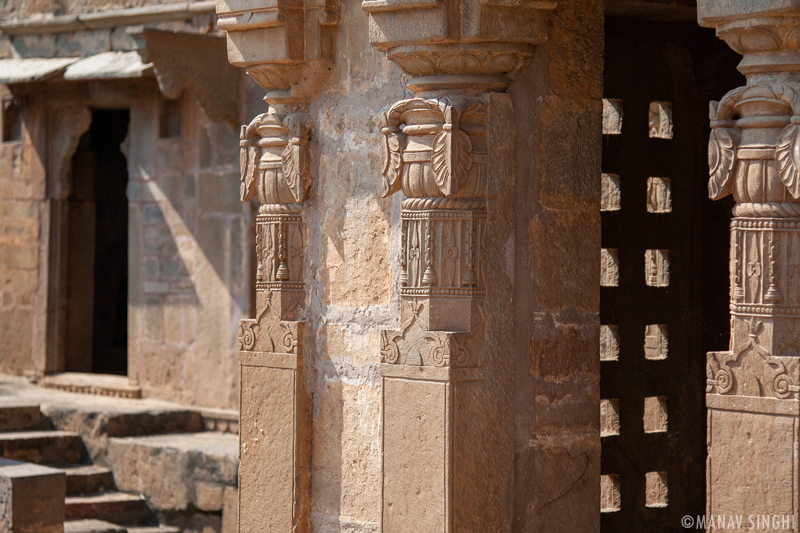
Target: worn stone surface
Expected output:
[92,526]
[192,259]
[19,416]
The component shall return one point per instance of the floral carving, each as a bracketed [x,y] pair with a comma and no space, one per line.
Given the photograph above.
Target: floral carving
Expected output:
[393,145]
[296,158]
[427,63]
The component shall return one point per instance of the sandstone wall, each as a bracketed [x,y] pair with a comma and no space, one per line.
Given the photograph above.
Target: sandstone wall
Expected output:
[22,207]
[557,99]
[353,251]
[190,245]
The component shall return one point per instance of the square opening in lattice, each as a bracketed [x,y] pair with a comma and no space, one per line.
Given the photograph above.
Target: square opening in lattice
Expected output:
[610,498]
[660,120]
[612,116]
[656,342]
[610,196]
[609,418]
[656,494]
[655,414]
[609,267]
[656,268]
[609,343]
[659,195]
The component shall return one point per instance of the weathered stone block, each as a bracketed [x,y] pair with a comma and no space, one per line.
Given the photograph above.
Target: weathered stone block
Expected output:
[18,416]
[655,414]
[416,442]
[200,466]
[31,497]
[268,434]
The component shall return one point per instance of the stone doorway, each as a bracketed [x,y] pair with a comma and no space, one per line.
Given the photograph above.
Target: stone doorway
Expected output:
[96,337]
[663,299]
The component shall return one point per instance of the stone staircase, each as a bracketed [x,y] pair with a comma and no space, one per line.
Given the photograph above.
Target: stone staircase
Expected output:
[92,504]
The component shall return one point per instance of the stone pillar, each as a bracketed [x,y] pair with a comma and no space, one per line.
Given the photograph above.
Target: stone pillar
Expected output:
[287,49]
[447,371]
[752,391]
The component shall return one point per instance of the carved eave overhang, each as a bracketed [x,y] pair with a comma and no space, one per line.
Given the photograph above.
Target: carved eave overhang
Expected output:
[193,62]
[286,46]
[457,44]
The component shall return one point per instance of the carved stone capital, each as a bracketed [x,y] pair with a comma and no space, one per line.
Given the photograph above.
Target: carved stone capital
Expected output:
[435,147]
[197,63]
[455,44]
[275,158]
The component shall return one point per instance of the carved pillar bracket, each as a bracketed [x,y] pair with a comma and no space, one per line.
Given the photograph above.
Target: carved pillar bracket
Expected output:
[443,378]
[195,62]
[287,48]
[754,154]
[275,418]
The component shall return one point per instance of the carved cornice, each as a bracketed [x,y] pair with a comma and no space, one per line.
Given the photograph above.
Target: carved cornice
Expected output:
[457,44]
[197,63]
[286,46]
[765,33]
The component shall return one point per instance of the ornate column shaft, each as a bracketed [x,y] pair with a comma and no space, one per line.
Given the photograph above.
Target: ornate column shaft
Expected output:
[754,154]
[286,48]
[446,371]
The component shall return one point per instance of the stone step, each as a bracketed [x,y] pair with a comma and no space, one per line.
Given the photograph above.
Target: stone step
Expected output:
[100,384]
[43,447]
[154,529]
[92,525]
[19,416]
[116,507]
[203,469]
[87,479]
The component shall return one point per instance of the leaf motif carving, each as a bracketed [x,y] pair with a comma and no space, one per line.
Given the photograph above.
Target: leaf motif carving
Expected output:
[787,156]
[721,160]
[248,165]
[451,160]
[393,145]
[296,166]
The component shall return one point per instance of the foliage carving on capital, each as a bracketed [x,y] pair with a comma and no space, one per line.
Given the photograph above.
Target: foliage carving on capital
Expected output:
[428,153]
[275,158]
[741,134]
